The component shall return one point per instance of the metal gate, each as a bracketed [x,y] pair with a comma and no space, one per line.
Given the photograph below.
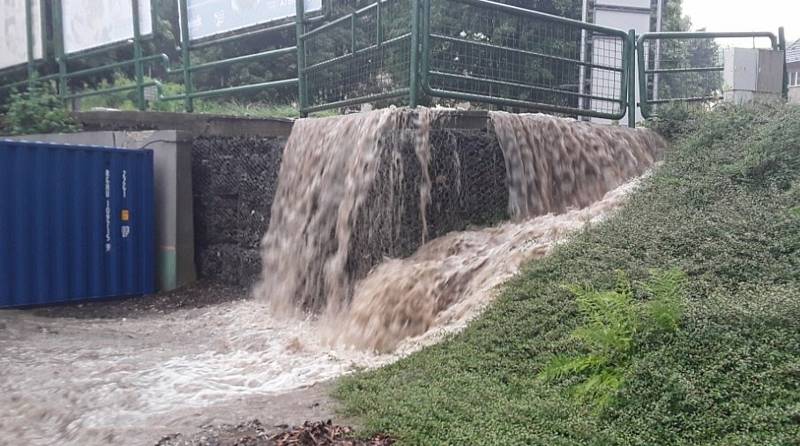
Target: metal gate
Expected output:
[686,68]
[466,50]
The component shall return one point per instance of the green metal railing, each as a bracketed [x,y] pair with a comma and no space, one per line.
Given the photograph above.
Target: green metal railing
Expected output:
[361,57]
[400,50]
[409,52]
[686,68]
[516,57]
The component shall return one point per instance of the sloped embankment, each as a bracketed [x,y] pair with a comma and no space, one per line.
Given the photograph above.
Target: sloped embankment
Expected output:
[725,209]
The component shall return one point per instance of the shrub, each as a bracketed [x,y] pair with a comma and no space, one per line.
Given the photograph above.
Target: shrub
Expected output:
[37,110]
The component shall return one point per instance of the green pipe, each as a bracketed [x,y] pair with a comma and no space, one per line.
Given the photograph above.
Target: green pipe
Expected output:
[631,61]
[141,103]
[186,62]
[413,97]
[301,56]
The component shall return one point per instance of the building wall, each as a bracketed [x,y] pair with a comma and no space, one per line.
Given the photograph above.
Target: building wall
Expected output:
[794,82]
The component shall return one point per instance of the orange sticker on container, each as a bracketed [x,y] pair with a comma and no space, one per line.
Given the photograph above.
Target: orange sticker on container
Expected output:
[126,215]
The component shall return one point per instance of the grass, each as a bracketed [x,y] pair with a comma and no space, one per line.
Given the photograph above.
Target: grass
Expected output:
[722,209]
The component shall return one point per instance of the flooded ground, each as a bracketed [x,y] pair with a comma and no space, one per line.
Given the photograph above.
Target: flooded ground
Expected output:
[144,373]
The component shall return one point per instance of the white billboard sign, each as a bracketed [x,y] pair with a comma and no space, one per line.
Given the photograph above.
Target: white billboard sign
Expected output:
[14,32]
[210,17]
[93,23]
[608,52]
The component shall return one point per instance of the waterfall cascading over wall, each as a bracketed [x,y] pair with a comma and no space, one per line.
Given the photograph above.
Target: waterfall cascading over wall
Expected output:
[352,189]
[554,164]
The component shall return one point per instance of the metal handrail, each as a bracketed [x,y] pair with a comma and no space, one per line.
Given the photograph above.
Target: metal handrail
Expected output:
[418,37]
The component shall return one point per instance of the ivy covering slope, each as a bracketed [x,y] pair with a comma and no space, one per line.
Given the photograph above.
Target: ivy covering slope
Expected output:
[725,210]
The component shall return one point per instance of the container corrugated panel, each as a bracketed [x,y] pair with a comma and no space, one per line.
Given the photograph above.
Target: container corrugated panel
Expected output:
[76,223]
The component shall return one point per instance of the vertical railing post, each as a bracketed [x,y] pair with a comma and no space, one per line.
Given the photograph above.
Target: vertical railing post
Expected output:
[30,46]
[644,99]
[414,85]
[186,63]
[425,66]
[632,69]
[379,23]
[300,29]
[782,47]
[137,57]
[58,41]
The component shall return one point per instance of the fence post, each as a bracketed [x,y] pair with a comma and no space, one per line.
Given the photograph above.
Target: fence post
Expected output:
[29,29]
[58,41]
[186,63]
[632,69]
[414,86]
[300,29]
[137,57]
[782,47]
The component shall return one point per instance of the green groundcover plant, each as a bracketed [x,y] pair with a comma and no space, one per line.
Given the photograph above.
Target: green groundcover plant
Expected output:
[723,369]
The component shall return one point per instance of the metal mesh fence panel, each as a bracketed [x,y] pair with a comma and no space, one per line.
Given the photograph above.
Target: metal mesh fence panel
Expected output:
[363,56]
[518,57]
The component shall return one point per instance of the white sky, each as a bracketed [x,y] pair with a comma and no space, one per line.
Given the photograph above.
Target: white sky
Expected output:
[745,15]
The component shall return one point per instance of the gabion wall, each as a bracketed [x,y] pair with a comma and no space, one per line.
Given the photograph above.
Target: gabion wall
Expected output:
[235,181]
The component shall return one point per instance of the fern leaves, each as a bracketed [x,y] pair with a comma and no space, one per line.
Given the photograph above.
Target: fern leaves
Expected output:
[613,324]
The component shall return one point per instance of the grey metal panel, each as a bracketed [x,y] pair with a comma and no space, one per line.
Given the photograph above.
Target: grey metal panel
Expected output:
[770,71]
[741,69]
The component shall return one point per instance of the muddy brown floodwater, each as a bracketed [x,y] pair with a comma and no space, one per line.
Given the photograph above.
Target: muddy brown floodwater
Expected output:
[137,378]
[131,374]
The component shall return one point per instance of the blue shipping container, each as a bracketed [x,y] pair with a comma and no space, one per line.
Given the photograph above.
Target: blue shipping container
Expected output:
[76,223]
